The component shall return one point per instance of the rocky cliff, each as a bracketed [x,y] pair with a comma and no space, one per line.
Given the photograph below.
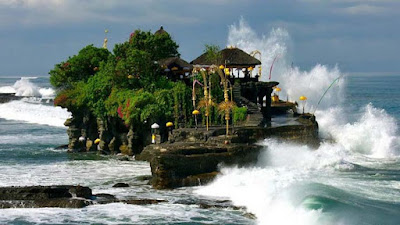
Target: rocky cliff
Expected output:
[115,137]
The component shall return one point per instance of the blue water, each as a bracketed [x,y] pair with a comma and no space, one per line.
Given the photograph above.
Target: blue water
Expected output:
[381,91]
[340,183]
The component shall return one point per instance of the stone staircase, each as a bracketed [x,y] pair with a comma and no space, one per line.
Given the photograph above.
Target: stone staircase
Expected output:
[254,116]
[237,95]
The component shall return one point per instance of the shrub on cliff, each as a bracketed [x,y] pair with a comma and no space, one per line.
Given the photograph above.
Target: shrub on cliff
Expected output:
[78,67]
[73,99]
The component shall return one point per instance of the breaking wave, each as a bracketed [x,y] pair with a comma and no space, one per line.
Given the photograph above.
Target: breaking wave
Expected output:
[34,113]
[24,87]
[292,80]
[278,188]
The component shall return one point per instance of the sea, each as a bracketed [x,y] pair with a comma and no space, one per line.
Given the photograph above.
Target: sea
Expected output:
[353,177]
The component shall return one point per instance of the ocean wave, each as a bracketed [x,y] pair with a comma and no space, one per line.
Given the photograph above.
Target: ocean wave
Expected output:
[25,88]
[34,113]
[374,133]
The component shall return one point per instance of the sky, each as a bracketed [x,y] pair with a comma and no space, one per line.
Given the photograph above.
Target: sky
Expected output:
[356,35]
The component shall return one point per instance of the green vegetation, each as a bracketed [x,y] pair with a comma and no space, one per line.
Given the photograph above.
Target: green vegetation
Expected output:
[78,67]
[213,54]
[127,83]
[239,114]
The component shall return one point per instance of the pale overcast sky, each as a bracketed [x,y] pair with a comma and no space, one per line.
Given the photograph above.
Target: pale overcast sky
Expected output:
[358,35]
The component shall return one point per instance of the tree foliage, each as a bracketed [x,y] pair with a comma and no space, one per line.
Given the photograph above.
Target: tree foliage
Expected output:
[78,67]
[213,54]
[125,84]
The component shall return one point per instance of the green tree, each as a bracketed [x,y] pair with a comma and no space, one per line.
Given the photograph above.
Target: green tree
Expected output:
[78,67]
[213,54]
[98,89]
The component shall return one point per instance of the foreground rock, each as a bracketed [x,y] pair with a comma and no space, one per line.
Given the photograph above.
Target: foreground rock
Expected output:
[117,185]
[45,196]
[191,164]
[193,157]
[8,97]
[60,197]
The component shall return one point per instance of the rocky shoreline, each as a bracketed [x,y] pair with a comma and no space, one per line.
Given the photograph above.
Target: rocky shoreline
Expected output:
[68,196]
[8,97]
[60,196]
[192,156]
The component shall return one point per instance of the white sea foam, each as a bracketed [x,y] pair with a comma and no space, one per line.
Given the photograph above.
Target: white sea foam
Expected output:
[91,173]
[119,213]
[47,92]
[275,189]
[34,113]
[7,89]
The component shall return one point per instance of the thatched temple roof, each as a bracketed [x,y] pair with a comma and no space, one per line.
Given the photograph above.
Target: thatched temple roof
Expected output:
[175,62]
[231,57]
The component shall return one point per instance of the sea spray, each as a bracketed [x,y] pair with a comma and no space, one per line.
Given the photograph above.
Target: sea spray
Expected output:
[375,133]
[25,88]
[47,93]
[274,45]
[293,81]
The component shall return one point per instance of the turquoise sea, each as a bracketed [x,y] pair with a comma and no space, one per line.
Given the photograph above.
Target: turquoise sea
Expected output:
[352,178]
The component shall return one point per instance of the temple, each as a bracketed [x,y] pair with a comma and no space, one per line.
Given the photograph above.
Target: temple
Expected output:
[246,88]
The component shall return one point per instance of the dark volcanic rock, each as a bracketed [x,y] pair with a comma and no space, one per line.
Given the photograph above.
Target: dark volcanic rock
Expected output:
[103,198]
[60,197]
[44,192]
[190,164]
[45,196]
[7,97]
[55,203]
[120,185]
